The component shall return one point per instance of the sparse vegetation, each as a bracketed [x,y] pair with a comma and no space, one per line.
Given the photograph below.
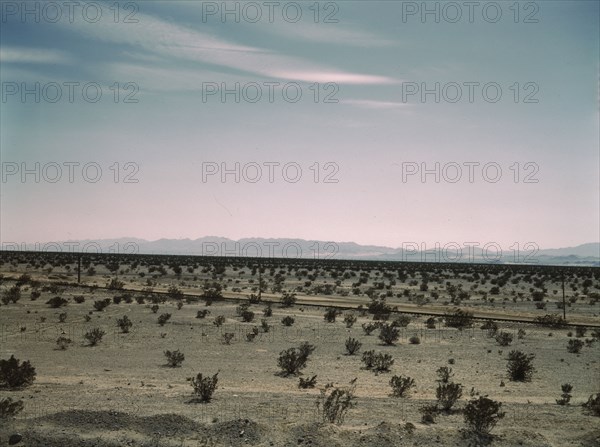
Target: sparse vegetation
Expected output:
[174,358]
[204,387]
[15,375]
[401,385]
[163,318]
[333,403]
[94,336]
[520,366]
[10,408]
[352,346]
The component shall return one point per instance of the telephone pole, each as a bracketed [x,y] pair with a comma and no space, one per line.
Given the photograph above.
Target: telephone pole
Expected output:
[563,293]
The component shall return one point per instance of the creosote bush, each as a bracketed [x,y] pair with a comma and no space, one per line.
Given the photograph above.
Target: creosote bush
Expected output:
[447,394]
[163,318]
[459,318]
[202,313]
[504,338]
[219,320]
[63,343]
[330,315]
[15,375]
[333,403]
[401,385]
[389,334]
[56,302]
[377,361]
[352,345]
[100,305]
[292,360]
[592,406]
[349,319]
[574,346]
[482,414]
[174,358]
[125,324]
[204,387]
[10,408]
[287,320]
[368,328]
[154,308]
[566,394]
[227,337]
[287,300]
[94,336]
[444,373]
[520,366]
[309,382]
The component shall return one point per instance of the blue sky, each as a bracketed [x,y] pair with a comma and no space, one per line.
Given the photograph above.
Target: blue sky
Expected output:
[366,60]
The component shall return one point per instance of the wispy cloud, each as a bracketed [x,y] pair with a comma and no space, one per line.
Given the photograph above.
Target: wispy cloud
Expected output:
[170,40]
[33,56]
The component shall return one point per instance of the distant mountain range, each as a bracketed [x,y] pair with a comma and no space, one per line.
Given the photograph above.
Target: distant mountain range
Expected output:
[584,255]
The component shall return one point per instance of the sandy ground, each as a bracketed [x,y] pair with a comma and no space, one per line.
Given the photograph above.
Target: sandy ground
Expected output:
[121,393]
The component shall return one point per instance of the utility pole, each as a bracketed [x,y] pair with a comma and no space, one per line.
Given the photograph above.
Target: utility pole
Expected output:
[259,282]
[563,291]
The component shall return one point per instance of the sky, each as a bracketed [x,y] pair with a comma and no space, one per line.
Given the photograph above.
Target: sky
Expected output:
[375,122]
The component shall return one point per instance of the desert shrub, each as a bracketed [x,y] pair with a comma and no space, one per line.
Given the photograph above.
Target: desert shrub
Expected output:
[491,327]
[202,313]
[377,361]
[163,318]
[287,320]
[520,366]
[250,336]
[94,336]
[428,414]
[227,337]
[309,382]
[482,414]
[330,315]
[444,373]
[447,394]
[504,338]
[140,299]
[115,284]
[87,318]
[219,320]
[566,394]
[79,299]
[247,316]
[334,403]
[352,345]
[62,317]
[179,305]
[592,406]
[14,374]
[288,299]
[204,387]
[10,408]
[580,331]
[551,320]
[100,305]
[264,325]
[174,358]
[430,323]
[292,360]
[268,310]
[521,334]
[574,346]
[414,340]
[401,385]
[12,295]
[63,343]
[117,299]
[368,328]
[459,318]
[401,321]
[389,334]
[349,319]
[125,324]
[56,302]
[154,308]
